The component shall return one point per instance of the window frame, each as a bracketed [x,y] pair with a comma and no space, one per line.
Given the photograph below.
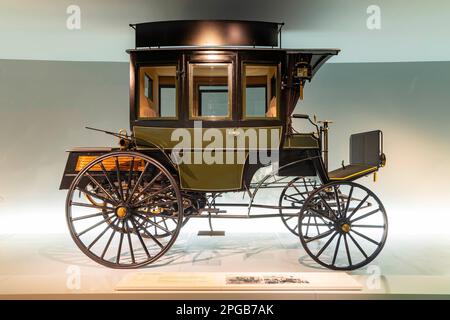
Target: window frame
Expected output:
[244,90]
[190,78]
[177,86]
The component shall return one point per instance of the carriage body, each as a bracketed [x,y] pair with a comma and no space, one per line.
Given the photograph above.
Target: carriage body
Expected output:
[154,131]
[209,115]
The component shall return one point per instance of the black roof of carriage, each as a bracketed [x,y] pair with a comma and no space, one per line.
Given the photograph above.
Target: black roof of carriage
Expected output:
[242,35]
[232,34]
[207,32]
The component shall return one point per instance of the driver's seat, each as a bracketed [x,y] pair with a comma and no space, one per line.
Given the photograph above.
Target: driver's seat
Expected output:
[366,157]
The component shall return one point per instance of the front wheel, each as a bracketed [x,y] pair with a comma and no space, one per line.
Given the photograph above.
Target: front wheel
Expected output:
[119,205]
[343,226]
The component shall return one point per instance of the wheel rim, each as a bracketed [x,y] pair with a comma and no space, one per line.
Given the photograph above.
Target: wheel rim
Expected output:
[349,229]
[134,218]
[292,199]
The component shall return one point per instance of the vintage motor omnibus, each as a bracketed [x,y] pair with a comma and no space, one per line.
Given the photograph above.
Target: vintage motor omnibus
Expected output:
[196,86]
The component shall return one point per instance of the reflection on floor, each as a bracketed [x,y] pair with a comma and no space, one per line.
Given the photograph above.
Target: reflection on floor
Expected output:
[45,266]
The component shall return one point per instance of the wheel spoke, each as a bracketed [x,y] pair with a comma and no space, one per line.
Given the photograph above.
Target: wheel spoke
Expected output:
[97,196]
[93,226]
[108,243]
[92,215]
[149,234]
[365,237]
[347,250]
[140,238]
[113,186]
[320,236]
[338,204]
[319,214]
[130,174]
[101,234]
[165,223]
[329,225]
[138,182]
[358,246]
[299,192]
[336,250]
[327,205]
[119,180]
[366,226]
[365,215]
[100,186]
[348,201]
[152,195]
[307,226]
[119,249]
[154,223]
[293,200]
[147,187]
[88,205]
[306,188]
[358,206]
[326,245]
[317,227]
[130,245]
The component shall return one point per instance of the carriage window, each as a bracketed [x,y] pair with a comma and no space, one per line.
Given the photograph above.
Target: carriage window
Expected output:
[260,91]
[209,90]
[158,92]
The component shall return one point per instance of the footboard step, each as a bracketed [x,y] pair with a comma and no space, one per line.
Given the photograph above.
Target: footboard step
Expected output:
[211,233]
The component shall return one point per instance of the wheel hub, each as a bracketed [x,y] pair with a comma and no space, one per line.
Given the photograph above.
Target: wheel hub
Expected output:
[121,212]
[345,228]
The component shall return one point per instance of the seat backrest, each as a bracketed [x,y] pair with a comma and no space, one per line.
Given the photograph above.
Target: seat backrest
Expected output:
[366,148]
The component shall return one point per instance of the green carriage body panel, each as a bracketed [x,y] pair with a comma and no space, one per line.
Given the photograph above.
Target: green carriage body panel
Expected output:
[221,175]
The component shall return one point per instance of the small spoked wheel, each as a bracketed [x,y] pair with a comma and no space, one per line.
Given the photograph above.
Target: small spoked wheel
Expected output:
[292,199]
[343,226]
[123,210]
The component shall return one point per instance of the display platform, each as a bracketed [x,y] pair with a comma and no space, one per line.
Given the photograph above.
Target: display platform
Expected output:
[51,267]
[223,281]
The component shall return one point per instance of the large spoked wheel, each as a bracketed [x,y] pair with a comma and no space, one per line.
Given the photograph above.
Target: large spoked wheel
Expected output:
[343,226]
[292,199]
[123,210]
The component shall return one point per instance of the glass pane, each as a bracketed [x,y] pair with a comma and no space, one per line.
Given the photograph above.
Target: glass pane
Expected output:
[157,87]
[167,101]
[256,101]
[209,90]
[260,99]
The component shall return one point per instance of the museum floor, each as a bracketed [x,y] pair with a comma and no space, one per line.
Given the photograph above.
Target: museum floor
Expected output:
[38,267]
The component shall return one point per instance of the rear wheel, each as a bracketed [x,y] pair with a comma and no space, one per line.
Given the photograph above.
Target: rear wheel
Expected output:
[343,226]
[123,210]
[292,199]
